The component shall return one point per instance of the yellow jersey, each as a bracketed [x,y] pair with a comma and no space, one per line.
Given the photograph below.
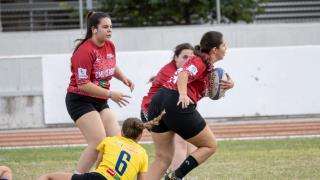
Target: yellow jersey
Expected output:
[122,158]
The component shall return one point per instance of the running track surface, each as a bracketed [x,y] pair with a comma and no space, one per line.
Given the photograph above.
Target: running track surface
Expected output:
[224,130]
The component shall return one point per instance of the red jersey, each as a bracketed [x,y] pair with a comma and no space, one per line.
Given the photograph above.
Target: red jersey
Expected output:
[91,63]
[163,76]
[197,78]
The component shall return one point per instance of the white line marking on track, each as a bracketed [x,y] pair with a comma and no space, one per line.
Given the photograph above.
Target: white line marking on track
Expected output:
[150,142]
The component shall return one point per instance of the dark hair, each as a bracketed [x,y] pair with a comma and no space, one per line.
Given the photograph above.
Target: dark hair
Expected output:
[209,40]
[133,127]
[93,19]
[177,51]
[179,48]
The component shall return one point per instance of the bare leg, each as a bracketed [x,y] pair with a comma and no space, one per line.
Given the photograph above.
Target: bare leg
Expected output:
[110,123]
[190,148]
[206,145]
[180,152]
[56,176]
[91,126]
[5,172]
[164,150]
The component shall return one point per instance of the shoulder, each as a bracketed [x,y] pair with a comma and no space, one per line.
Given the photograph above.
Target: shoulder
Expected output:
[198,62]
[85,48]
[171,66]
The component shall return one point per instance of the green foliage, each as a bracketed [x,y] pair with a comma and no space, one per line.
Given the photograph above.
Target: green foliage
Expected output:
[178,12]
[67,6]
[237,10]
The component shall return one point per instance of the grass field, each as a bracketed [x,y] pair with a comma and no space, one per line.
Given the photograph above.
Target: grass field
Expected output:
[243,159]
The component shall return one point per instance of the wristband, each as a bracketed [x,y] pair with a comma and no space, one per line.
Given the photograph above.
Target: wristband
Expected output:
[110,94]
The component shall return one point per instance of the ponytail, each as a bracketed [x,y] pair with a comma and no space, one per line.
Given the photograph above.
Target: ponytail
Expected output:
[132,128]
[205,58]
[153,122]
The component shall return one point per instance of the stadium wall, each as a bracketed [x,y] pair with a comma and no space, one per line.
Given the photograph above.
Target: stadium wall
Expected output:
[163,38]
[270,81]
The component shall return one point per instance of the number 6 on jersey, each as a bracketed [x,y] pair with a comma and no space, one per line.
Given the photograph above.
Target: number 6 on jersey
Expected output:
[121,160]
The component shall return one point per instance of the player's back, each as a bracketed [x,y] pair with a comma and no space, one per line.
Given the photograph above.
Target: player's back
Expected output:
[122,159]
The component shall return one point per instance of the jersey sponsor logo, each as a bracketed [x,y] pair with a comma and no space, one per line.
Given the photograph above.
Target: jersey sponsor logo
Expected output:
[111,172]
[82,73]
[103,83]
[109,56]
[105,73]
[192,69]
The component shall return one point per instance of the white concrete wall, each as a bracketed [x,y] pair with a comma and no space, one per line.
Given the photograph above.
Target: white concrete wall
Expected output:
[163,38]
[21,112]
[269,81]
[21,104]
[20,75]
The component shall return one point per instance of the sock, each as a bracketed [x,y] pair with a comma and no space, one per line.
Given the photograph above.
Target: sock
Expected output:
[187,165]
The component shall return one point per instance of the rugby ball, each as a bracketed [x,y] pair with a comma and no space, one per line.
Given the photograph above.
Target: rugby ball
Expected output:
[214,91]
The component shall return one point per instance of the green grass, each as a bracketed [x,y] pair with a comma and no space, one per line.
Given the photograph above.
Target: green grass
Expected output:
[245,159]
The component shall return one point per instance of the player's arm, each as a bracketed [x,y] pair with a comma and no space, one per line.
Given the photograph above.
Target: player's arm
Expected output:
[182,89]
[56,176]
[81,67]
[121,77]
[99,159]
[142,176]
[93,89]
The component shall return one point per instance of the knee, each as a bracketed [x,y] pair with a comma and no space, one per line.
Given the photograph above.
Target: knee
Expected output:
[213,147]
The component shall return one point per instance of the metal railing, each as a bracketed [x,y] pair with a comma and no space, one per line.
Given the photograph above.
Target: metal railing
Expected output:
[290,11]
[34,15]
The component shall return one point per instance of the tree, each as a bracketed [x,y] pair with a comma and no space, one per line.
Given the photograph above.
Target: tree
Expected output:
[245,10]
[177,12]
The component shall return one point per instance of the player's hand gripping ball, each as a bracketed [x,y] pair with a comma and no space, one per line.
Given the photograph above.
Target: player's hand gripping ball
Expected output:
[214,90]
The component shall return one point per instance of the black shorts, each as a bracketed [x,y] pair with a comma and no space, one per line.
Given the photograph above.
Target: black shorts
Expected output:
[185,122]
[88,176]
[78,105]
